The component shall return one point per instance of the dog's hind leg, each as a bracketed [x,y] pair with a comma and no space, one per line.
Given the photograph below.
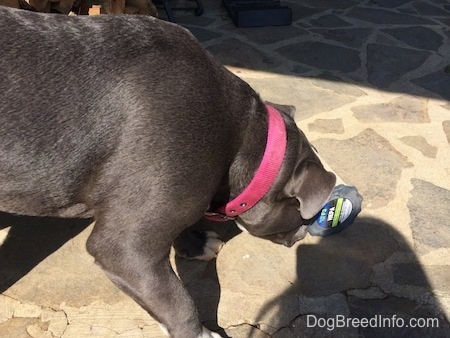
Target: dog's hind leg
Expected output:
[136,259]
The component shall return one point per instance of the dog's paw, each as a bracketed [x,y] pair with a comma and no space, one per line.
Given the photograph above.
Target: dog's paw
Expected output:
[212,246]
[200,245]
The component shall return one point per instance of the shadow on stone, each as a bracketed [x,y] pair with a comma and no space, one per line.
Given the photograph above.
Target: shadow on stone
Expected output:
[366,44]
[30,240]
[367,272]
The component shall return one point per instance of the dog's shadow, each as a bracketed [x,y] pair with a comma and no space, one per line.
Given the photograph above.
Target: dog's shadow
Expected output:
[361,254]
[29,240]
[368,270]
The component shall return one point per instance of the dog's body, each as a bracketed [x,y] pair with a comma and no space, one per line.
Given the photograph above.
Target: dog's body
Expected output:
[129,120]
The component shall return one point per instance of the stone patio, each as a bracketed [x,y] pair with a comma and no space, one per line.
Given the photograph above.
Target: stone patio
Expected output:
[371,83]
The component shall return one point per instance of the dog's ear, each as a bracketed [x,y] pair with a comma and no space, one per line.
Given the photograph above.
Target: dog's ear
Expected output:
[311,184]
[288,109]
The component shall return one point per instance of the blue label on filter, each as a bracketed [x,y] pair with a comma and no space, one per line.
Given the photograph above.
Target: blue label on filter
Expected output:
[322,219]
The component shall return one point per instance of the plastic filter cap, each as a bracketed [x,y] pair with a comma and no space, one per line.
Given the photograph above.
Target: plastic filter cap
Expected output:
[338,213]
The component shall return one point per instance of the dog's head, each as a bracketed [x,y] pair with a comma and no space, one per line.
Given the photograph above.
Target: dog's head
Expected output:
[301,189]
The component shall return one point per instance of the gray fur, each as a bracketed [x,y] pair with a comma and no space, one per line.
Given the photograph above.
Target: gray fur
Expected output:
[129,120]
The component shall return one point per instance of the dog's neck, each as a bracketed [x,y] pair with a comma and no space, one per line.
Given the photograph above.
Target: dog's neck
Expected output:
[263,177]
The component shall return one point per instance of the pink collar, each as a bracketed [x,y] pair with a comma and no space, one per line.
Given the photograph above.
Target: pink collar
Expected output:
[264,176]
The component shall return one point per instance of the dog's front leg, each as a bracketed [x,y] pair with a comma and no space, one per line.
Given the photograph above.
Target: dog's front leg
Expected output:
[139,265]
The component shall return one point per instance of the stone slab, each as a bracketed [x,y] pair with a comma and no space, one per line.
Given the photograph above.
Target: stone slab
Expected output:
[383,16]
[417,37]
[325,126]
[350,37]
[429,223]
[387,64]
[374,157]
[420,143]
[323,56]
[268,35]
[437,82]
[390,3]
[402,109]
[233,52]
[427,9]
[329,20]
[446,127]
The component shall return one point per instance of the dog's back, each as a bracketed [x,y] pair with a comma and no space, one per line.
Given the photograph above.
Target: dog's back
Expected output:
[80,95]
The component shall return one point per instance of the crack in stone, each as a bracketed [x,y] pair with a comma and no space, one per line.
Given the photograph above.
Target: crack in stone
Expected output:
[16,313]
[15,309]
[92,327]
[67,320]
[257,327]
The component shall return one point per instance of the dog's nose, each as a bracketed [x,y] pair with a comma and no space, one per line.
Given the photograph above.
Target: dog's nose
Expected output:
[298,235]
[289,243]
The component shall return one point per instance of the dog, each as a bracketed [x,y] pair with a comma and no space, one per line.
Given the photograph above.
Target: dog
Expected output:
[129,120]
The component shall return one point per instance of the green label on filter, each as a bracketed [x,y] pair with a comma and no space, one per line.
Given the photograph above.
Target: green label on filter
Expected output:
[334,213]
[337,212]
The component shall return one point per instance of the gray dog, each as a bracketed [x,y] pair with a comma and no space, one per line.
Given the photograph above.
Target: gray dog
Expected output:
[128,120]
